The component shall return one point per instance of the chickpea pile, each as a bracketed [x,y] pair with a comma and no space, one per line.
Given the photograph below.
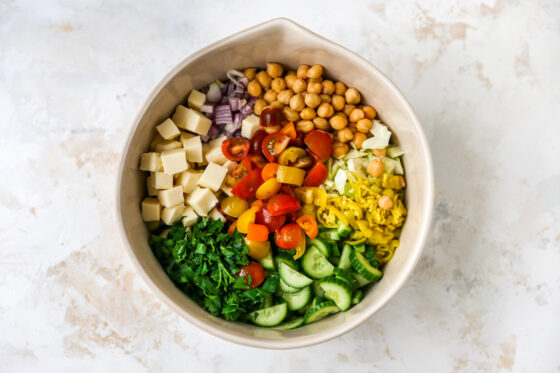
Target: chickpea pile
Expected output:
[310,101]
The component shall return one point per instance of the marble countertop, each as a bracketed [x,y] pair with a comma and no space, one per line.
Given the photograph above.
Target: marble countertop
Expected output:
[484,81]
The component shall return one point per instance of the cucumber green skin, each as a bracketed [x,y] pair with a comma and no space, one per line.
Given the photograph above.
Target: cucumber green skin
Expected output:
[345,276]
[335,260]
[339,291]
[286,258]
[321,244]
[297,301]
[369,254]
[285,288]
[279,314]
[344,262]
[330,235]
[343,230]
[268,261]
[292,277]
[357,297]
[317,289]
[268,301]
[360,280]
[315,264]
[291,324]
[362,266]
[320,310]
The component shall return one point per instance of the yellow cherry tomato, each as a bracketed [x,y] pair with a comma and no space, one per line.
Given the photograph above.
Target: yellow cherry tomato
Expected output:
[245,218]
[290,175]
[268,189]
[234,206]
[258,249]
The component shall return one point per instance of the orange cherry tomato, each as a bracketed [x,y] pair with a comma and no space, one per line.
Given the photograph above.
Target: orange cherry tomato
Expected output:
[288,237]
[290,130]
[316,175]
[256,273]
[257,232]
[235,148]
[269,171]
[309,225]
[274,144]
[320,143]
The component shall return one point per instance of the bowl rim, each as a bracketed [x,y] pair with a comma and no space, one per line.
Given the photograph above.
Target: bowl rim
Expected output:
[327,334]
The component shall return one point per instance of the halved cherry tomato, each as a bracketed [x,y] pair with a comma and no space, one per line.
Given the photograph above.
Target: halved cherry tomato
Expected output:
[281,204]
[288,237]
[243,168]
[257,249]
[232,226]
[286,189]
[298,141]
[320,143]
[258,203]
[235,148]
[256,273]
[292,216]
[258,160]
[269,171]
[316,175]
[233,206]
[256,141]
[309,225]
[268,189]
[245,219]
[272,222]
[248,185]
[271,116]
[290,130]
[274,144]
[257,232]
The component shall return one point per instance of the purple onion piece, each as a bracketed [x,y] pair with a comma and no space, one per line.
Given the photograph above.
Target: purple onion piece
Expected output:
[235,103]
[223,114]
[246,110]
[237,121]
[214,93]
[230,128]
[214,131]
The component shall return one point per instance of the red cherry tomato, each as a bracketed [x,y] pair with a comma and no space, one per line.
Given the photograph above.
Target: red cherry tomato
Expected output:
[271,116]
[316,175]
[298,141]
[274,144]
[290,130]
[281,204]
[235,148]
[256,141]
[272,222]
[320,143]
[288,237]
[243,168]
[248,185]
[286,189]
[258,160]
[256,271]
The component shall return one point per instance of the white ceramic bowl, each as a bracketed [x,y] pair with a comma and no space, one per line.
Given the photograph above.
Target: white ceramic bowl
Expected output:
[279,40]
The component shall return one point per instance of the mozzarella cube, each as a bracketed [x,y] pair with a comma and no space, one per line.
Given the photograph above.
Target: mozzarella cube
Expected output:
[213,176]
[189,217]
[167,145]
[196,99]
[152,192]
[191,120]
[171,197]
[174,161]
[150,162]
[193,148]
[161,180]
[217,143]
[189,180]
[151,209]
[230,165]
[216,215]
[168,130]
[202,200]
[227,189]
[156,141]
[185,135]
[250,125]
[170,215]
[216,155]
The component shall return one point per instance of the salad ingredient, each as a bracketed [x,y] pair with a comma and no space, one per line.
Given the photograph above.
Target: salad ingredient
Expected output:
[288,237]
[202,201]
[196,99]
[246,218]
[188,179]
[193,149]
[272,222]
[319,311]
[315,264]
[385,203]
[235,148]
[258,249]
[345,135]
[151,209]
[250,126]
[271,116]
[274,69]
[380,139]
[320,143]
[191,120]
[256,141]
[375,168]
[254,88]
[213,176]
[309,225]
[363,267]
[174,161]
[298,300]
[150,162]
[268,189]
[257,232]
[290,175]
[234,206]
[171,197]
[254,273]
[270,316]
[161,180]
[316,176]
[292,277]
[282,204]
[339,149]
[248,185]
[169,215]
[337,290]
[274,144]
[189,217]
[291,155]
[290,130]
[168,130]
[269,171]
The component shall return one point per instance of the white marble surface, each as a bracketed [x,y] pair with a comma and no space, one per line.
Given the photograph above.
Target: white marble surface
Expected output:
[484,81]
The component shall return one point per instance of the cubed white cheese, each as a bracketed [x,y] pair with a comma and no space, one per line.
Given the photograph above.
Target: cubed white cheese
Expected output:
[188,179]
[151,209]
[189,217]
[170,215]
[156,141]
[226,189]
[174,161]
[150,162]
[202,200]
[217,143]
[216,155]
[152,192]
[191,120]
[171,197]
[161,180]
[250,125]
[213,176]
[196,99]
[167,145]
[168,130]
[186,135]
[230,165]
[193,148]
[216,215]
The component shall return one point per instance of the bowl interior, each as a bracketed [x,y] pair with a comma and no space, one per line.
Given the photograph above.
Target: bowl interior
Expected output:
[282,41]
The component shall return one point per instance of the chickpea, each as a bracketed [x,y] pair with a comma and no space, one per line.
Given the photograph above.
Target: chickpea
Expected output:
[250,73]
[316,80]
[259,106]
[315,71]
[290,79]
[305,126]
[264,79]
[325,110]
[278,84]
[325,98]
[352,96]
[296,102]
[364,125]
[272,129]
[345,135]
[358,139]
[277,104]
[312,100]
[285,96]
[299,85]
[375,168]
[328,87]
[356,115]
[270,96]
[338,122]
[302,71]
[314,87]
[338,102]
[352,126]
[379,152]
[254,88]
[321,123]
[339,149]
[339,88]
[290,114]
[274,69]
[385,203]
[348,109]
[369,112]
[308,113]
[402,183]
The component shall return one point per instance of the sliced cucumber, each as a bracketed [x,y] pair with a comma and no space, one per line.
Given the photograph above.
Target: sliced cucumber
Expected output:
[358,296]
[362,266]
[330,235]
[346,277]
[360,247]
[268,301]
[360,280]
[343,229]
[320,310]
[335,260]
[287,288]
[369,254]
[269,316]
[339,291]
[317,289]
[268,261]
[286,258]
[292,277]
[344,262]
[291,324]
[315,264]
[321,244]
[297,301]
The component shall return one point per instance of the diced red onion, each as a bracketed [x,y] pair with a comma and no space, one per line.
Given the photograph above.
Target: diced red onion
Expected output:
[246,110]
[214,131]
[207,108]
[237,120]
[235,103]
[230,128]
[223,114]
[214,93]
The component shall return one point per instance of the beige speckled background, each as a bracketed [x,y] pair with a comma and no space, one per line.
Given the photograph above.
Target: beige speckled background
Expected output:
[484,79]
